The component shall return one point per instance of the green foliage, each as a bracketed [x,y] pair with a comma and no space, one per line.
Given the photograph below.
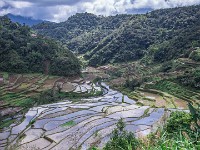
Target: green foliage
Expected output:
[93,148]
[6,123]
[32,122]
[132,84]
[70,123]
[23,53]
[166,66]
[173,88]
[47,97]
[5,76]
[190,79]
[164,142]
[83,31]
[195,112]
[25,102]
[195,55]
[178,121]
[177,134]
[115,73]
[184,123]
[121,139]
[65,66]
[123,99]
[73,95]
[123,38]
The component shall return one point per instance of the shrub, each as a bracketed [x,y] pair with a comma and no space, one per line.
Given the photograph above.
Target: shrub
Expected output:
[184,123]
[46,97]
[132,84]
[121,139]
[178,121]
[195,55]
[166,66]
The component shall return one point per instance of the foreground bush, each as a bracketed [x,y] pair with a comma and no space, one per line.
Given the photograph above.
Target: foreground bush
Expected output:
[181,132]
[121,139]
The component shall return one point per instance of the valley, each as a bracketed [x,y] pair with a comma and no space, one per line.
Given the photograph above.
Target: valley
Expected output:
[82,112]
[129,81]
[81,124]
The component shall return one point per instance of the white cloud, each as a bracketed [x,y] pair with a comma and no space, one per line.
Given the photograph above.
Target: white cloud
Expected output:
[157,4]
[2,3]
[20,4]
[154,4]
[60,10]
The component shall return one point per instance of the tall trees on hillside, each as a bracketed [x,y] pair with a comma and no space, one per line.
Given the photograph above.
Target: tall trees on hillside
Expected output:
[20,52]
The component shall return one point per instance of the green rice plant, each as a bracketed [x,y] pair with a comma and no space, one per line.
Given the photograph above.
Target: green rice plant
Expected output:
[5,75]
[42,80]
[123,99]
[173,89]
[24,86]
[93,148]
[25,102]
[68,124]
[6,123]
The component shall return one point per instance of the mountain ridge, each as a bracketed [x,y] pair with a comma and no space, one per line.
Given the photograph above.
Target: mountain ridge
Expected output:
[123,38]
[24,20]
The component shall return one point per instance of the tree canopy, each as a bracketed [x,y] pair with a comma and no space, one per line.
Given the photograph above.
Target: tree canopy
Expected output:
[170,33]
[23,51]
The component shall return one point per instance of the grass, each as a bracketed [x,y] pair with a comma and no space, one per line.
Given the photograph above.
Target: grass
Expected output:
[32,122]
[19,98]
[68,124]
[176,135]
[42,80]
[178,142]
[5,75]
[24,86]
[98,93]
[174,89]
[131,94]
[7,96]
[6,123]
[24,102]
[146,112]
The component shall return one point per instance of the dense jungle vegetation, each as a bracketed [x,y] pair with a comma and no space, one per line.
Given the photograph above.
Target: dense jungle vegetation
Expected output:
[23,51]
[161,35]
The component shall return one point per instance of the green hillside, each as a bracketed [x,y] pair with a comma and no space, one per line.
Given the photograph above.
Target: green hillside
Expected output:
[23,51]
[82,32]
[162,34]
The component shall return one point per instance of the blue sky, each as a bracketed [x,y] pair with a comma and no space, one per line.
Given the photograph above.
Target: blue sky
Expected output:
[60,10]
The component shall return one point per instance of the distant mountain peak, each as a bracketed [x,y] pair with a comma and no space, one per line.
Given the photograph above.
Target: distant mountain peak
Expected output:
[24,20]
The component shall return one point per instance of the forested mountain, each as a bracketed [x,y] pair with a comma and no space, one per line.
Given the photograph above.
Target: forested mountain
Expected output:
[162,34]
[24,20]
[83,31]
[23,51]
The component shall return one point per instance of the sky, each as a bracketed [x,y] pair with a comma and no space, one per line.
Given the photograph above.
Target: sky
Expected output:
[60,10]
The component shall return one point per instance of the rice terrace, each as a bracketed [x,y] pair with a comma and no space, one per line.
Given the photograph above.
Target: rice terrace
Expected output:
[100,75]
